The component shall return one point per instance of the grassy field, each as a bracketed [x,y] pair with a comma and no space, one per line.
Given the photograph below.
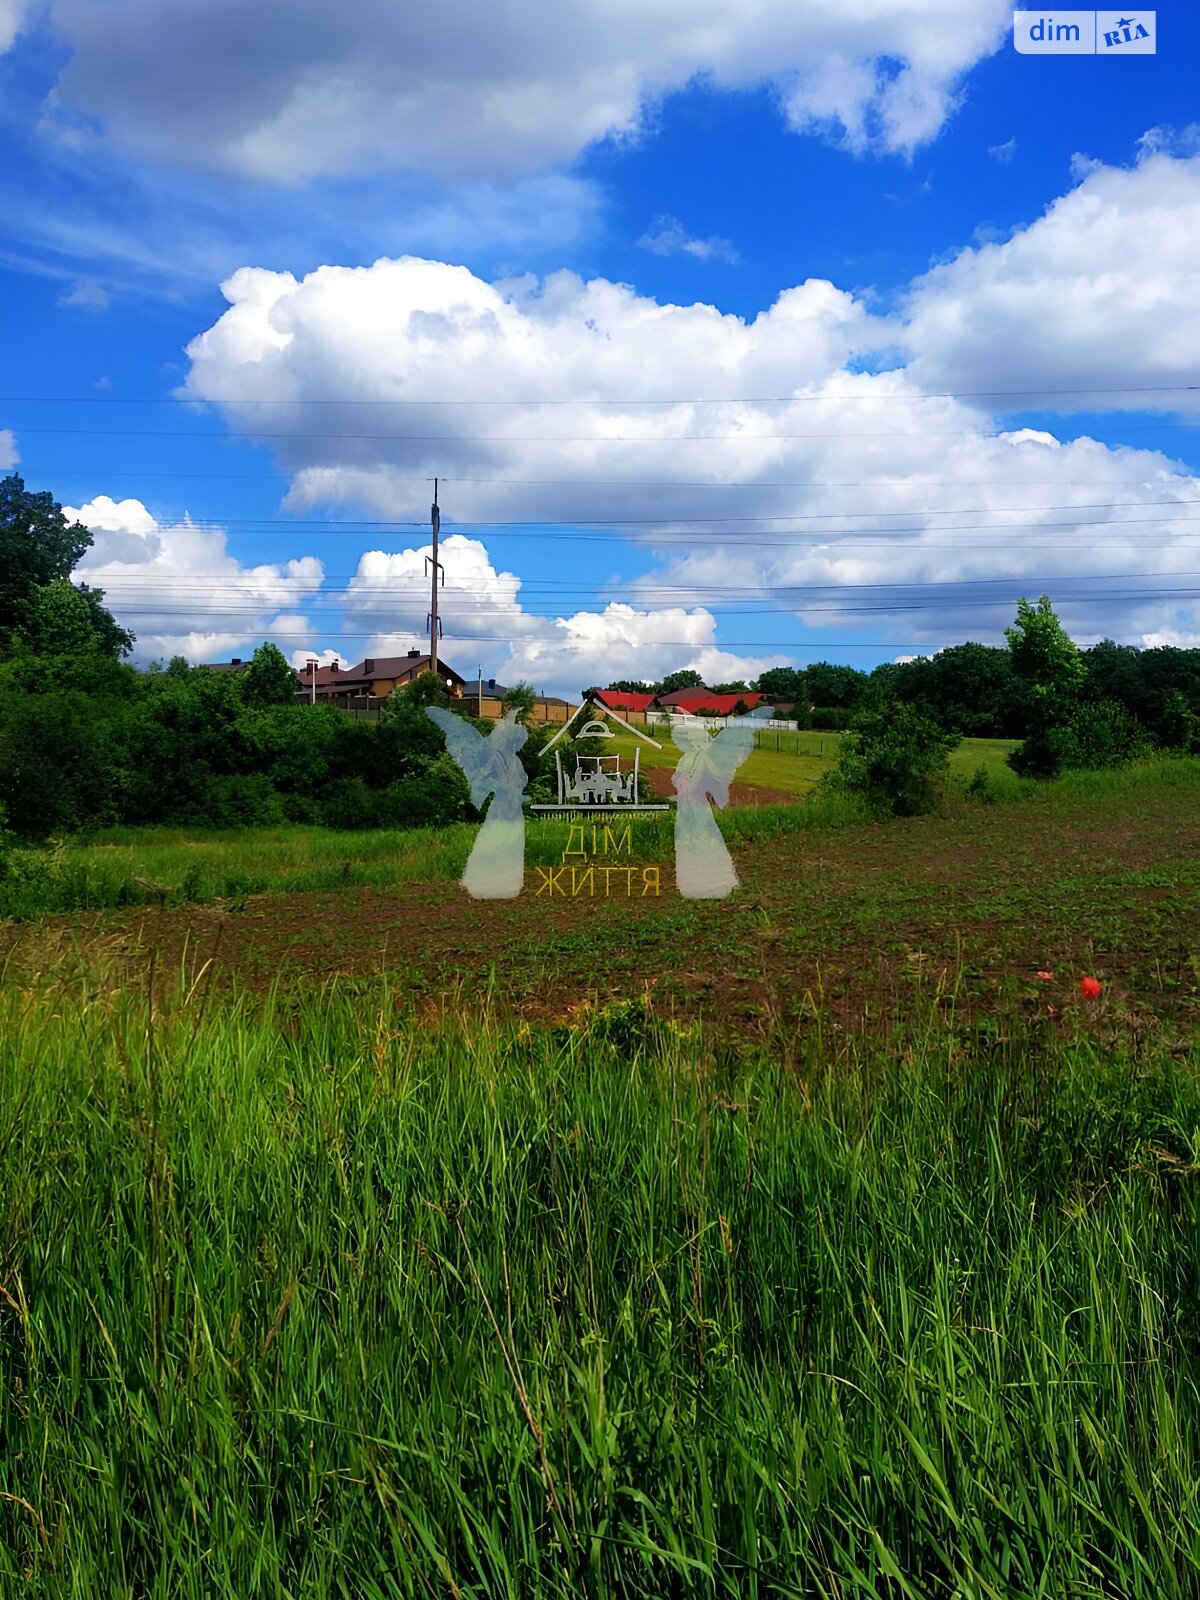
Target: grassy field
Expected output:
[363,1240]
[792,763]
[142,866]
[327,1297]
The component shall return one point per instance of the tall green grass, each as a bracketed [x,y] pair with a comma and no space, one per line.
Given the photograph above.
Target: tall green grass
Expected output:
[327,1297]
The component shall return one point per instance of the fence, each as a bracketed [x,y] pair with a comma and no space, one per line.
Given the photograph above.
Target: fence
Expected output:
[672,717]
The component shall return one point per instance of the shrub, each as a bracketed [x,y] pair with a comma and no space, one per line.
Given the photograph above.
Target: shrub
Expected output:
[1098,734]
[980,786]
[892,755]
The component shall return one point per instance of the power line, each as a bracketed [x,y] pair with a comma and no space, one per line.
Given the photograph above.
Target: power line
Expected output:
[831,538]
[1122,598]
[547,400]
[222,581]
[782,516]
[562,438]
[881,482]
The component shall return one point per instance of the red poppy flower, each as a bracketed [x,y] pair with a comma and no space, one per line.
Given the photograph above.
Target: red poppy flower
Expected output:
[1089,988]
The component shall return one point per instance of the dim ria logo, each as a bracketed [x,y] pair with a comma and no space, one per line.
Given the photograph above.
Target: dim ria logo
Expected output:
[597,786]
[1084,33]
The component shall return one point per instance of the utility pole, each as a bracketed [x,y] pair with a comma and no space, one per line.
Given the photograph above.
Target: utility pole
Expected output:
[434,566]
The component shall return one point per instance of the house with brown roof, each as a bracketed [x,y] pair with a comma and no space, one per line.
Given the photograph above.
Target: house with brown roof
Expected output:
[374,678]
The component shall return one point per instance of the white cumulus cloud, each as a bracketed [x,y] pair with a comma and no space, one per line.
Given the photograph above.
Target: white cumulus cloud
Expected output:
[845,498]
[1099,291]
[295,89]
[180,591]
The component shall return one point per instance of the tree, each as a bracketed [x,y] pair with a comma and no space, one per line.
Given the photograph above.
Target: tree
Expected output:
[629,686]
[520,698]
[892,755]
[737,687]
[833,685]
[1053,671]
[969,687]
[784,685]
[38,551]
[1047,659]
[685,678]
[269,680]
[37,544]
[61,618]
[426,689]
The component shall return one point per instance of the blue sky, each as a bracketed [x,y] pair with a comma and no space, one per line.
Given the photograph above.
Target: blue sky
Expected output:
[934,326]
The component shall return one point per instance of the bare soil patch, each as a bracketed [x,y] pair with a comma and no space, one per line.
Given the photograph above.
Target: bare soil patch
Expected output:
[957,912]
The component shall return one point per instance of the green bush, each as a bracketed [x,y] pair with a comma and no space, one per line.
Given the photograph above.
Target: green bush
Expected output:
[893,756]
[1098,734]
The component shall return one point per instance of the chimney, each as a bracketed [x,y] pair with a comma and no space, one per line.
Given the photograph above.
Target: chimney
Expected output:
[369,666]
[236,662]
[334,666]
[414,653]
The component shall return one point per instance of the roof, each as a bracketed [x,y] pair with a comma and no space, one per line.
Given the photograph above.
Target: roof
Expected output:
[395,666]
[725,705]
[624,699]
[324,676]
[366,672]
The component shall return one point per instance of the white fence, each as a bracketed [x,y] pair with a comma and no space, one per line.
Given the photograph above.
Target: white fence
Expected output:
[660,718]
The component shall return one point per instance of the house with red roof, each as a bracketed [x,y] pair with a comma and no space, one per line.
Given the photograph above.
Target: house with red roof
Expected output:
[693,701]
[623,700]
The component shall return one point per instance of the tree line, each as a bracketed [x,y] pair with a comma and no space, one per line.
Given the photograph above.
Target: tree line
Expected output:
[1065,703]
[87,741]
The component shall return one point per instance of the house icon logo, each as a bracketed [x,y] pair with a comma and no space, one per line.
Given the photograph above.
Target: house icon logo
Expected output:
[597,782]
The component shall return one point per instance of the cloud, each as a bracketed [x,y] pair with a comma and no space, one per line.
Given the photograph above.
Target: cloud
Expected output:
[865,503]
[177,587]
[1100,290]
[408,336]
[324,658]
[1171,141]
[86,295]
[390,592]
[671,239]
[12,14]
[1003,152]
[9,455]
[484,619]
[622,641]
[295,89]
